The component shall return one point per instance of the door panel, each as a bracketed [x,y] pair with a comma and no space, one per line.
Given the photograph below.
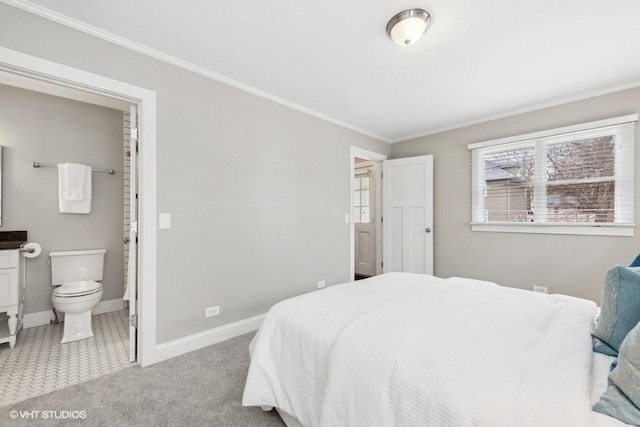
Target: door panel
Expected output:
[393,252]
[365,252]
[407,205]
[413,174]
[417,244]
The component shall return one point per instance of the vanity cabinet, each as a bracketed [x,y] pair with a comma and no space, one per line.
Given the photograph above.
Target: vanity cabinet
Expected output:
[12,285]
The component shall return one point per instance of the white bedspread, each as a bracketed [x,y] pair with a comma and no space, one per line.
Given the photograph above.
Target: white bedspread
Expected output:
[414,350]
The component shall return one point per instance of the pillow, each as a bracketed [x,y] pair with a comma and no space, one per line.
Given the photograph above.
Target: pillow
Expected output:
[620,308]
[622,398]
[602,347]
[635,262]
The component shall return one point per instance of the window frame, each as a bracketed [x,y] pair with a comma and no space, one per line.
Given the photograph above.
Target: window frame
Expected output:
[624,179]
[360,175]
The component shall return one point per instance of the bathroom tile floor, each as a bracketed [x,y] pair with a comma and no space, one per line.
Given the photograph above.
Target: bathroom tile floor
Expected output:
[39,364]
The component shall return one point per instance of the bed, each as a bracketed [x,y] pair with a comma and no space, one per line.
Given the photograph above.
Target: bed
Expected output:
[405,349]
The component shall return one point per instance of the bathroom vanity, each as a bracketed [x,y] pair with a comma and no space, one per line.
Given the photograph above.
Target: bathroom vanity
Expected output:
[11,294]
[12,285]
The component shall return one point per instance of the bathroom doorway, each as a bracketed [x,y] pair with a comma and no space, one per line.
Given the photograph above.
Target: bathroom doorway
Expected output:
[62,80]
[112,320]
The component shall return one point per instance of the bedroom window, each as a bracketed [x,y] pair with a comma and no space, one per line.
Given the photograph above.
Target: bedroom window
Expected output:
[361,208]
[572,180]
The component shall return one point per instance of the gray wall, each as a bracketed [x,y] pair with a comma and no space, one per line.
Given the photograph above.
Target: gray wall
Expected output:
[38,127]
[257,191]
[573,265]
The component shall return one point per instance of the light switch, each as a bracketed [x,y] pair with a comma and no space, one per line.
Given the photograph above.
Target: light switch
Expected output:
[164,221]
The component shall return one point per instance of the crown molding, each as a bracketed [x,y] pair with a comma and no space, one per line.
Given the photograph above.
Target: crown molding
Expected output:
[169,59]
[161,56]
[516,111]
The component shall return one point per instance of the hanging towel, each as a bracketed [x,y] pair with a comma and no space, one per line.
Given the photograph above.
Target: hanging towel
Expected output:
[74,188]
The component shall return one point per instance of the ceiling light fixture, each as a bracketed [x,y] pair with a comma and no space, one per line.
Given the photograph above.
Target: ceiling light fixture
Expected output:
[408,26]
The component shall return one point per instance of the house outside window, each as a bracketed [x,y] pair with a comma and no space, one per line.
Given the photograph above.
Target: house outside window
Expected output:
[573,180]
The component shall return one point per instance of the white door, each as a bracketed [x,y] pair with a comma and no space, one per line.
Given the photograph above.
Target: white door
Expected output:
[364,190]
[407,213]
[132,268]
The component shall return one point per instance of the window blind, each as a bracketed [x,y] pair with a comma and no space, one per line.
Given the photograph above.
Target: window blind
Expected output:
[581,177]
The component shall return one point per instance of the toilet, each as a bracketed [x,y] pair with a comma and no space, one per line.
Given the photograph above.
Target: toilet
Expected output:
[75,276]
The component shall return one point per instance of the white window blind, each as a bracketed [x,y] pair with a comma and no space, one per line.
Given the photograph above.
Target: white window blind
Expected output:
[570,180]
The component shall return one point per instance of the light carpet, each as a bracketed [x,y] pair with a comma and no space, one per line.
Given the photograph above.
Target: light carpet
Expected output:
[201,388]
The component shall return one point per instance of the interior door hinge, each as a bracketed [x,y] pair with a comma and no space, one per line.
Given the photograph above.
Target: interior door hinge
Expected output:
[134,320]
[382,220]
[134,135]
[382,264]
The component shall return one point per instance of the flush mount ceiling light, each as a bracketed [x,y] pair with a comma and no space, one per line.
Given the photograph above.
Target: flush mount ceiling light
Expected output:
[408,26]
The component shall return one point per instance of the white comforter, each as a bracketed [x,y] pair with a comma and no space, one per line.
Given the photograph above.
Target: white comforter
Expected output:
[413,350]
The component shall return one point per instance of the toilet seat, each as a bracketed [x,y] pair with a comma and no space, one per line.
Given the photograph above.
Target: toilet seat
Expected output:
[77,289]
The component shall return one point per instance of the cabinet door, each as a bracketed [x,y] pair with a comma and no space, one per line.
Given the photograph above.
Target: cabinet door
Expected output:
[8,287]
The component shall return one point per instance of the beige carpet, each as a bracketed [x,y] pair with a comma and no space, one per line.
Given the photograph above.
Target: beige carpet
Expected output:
[202,388]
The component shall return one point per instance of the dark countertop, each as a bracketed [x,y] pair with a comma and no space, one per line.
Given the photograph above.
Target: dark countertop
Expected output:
[12,244]
[12,239]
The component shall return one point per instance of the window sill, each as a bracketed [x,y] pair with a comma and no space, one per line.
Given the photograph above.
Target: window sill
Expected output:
[625,230]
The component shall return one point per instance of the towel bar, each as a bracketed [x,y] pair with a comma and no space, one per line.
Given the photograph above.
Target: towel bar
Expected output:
[46,165]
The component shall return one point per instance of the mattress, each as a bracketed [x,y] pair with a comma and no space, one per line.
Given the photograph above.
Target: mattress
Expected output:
[402,349]
[600,371]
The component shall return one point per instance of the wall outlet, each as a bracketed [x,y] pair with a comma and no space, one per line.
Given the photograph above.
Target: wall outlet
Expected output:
[540,289]
[212,311]
[321,284]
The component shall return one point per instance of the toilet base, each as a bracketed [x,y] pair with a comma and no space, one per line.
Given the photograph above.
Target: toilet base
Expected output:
[77,327]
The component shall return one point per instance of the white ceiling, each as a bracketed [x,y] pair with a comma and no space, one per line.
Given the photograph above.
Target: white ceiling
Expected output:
[479,60]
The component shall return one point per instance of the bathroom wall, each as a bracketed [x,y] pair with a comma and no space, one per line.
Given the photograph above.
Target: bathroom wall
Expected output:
[257,191]
[48,129]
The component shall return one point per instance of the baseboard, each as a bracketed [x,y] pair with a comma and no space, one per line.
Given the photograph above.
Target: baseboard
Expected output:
[40,318]
[203,339]
[109,306]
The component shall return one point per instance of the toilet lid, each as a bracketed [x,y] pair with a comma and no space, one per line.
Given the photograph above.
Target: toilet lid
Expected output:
[84,287]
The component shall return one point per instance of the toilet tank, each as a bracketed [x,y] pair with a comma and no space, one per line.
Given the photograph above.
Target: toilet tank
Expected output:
[74,266]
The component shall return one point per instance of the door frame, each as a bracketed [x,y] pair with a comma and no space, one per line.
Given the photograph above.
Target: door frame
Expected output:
[376,157]
[36,72]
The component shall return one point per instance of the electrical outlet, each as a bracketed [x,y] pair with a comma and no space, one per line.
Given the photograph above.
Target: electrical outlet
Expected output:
[212,311]
[540,289]
[321,284]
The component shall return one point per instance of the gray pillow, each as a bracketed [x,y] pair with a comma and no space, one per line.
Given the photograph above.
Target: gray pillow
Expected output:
[620,308]
[622,398]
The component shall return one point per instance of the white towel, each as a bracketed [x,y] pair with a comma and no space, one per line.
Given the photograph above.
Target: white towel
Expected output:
[74,189]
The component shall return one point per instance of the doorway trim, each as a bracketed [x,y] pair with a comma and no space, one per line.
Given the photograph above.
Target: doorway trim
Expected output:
[376,157]
[41,70]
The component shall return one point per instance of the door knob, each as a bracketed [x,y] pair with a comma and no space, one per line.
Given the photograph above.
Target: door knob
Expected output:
[428,230]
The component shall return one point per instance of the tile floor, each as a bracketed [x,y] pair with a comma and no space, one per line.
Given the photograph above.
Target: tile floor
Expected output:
[39,364]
